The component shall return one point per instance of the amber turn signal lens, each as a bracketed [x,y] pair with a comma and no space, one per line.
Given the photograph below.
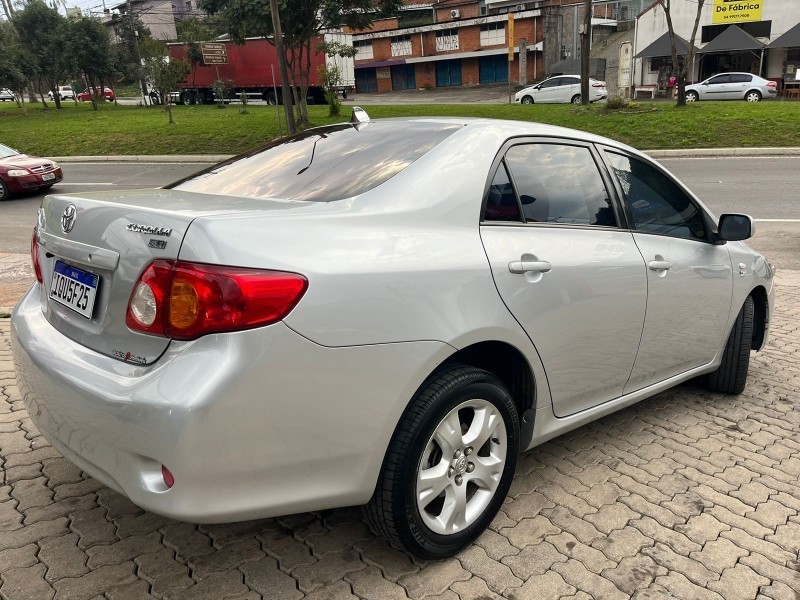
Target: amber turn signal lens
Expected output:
[183,304]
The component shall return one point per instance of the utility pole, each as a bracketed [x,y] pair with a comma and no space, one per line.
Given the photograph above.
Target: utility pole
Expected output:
[586,49]
[282,67]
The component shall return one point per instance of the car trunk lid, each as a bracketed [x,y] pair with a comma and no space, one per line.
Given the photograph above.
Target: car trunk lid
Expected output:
[105,241]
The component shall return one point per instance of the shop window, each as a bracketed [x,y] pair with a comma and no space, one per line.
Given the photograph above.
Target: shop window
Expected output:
[363,49]
[401,45]
[493,34]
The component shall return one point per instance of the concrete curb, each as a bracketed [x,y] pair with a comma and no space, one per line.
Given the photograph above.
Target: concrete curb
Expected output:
[214,158]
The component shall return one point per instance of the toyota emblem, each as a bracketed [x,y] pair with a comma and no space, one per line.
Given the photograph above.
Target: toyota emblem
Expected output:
[68,218]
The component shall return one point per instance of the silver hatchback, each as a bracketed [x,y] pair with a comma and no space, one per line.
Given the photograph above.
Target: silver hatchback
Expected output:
[383,313]
[732,86]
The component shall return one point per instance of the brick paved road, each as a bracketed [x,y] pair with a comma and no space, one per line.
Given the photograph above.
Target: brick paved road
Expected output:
[686,495]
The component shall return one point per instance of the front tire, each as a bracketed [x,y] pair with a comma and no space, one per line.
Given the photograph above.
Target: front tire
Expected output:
[449,464]
[5,193]
[527,100]
[731,376]
[753,96]
[692,96]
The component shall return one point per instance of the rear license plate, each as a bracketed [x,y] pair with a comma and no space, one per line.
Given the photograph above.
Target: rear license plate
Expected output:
[48,176]
[74,288]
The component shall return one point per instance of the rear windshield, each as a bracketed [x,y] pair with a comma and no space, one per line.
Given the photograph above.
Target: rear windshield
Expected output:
[322,164]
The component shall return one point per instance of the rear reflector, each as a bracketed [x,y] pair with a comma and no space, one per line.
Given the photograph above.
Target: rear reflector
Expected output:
[169,479]
[35,257]
[184,301]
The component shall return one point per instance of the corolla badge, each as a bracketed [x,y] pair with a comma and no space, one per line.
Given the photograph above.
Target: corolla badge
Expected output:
[68,218]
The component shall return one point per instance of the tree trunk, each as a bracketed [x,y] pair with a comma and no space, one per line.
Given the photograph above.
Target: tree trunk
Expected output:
[284,71]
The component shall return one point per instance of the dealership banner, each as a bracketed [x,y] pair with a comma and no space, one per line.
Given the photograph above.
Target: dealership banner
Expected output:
[736,11]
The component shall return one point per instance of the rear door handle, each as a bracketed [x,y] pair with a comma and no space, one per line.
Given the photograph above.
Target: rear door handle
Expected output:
[529,266]
[659,265]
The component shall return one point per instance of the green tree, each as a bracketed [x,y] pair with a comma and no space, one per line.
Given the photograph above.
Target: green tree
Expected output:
[681,65]
[16,70]
[192,31]
[89,47]
[43,35]
[301,21]
[163,74]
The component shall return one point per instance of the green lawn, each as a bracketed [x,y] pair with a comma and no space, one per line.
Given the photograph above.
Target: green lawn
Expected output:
[78,130]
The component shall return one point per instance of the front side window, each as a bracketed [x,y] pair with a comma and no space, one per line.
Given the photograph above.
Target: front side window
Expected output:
[719,79]
[554,82]
[560,184]
[741,78]
[656,203]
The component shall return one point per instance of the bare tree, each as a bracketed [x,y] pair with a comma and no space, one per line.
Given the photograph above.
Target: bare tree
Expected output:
[8,8]
[681,70]
[586,49]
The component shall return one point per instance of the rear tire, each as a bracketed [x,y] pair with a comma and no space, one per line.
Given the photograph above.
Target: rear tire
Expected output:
[576,99]
[753,96]
[731,376]
[459,438]
[186,98]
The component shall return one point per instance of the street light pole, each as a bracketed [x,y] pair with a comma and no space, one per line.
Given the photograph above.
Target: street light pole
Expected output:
[282,67]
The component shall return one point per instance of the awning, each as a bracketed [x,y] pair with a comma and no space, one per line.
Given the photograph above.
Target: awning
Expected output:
[662,47]
[380,63]
[734,38]
[790,39]
[474,54]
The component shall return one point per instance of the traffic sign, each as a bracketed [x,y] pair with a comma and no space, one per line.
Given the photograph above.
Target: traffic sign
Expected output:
[214,54]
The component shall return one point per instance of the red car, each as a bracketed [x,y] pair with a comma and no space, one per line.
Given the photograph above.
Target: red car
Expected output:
[86,95]
[22,173]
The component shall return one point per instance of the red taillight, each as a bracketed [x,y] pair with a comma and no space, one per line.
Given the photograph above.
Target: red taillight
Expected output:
[598,85]
[772,84]
[184,300]
[35,257]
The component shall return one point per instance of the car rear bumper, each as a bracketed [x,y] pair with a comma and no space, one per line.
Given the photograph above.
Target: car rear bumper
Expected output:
[34,181]
[251,424]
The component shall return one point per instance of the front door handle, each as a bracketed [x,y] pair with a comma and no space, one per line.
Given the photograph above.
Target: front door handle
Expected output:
[659,265]
[529,266]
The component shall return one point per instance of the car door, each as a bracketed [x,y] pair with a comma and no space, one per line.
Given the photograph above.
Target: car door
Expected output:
[739,84]
[547,91]
[565,268]
[689,278]
[570,86]
[715,88]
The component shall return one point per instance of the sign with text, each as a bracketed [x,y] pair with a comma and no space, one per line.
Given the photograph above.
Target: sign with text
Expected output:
[736,11]
[625,63]
[214,54]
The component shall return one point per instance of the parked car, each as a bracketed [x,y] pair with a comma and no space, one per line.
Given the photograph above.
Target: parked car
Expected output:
[561,89]
[87,94]
[6,94]
[22,173]
[381,312]
[65,92]
[732,86]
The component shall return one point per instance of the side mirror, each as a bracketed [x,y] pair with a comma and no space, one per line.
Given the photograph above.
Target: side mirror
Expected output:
[735,228]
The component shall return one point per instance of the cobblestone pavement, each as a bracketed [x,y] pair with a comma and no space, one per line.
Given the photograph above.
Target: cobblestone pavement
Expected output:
[686,495]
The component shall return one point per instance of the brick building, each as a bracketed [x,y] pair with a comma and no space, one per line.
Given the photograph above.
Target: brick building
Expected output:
[451,43]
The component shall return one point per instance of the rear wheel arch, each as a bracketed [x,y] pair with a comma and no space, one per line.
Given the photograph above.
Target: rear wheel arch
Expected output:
[509,365]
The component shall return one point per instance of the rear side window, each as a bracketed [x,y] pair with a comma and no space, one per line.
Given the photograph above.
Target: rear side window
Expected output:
[501,201]
[560,184]
[322,164]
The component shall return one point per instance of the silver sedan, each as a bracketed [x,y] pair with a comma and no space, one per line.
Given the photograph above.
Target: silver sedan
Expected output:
[732,86]
[383,313]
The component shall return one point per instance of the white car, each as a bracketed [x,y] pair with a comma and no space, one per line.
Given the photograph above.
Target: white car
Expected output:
[6,94]
[382,313]
[561,89]
[732,86]
[65,92]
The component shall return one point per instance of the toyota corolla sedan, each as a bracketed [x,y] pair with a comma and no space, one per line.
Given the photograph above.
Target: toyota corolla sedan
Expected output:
[23,173]
[563,89]
[383,313]
[732,86]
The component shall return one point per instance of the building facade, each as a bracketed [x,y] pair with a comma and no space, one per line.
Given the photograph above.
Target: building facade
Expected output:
[451,43]
[751,47]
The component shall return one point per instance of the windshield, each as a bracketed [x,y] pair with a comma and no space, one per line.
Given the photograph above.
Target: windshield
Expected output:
[322,164]
[6,151]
